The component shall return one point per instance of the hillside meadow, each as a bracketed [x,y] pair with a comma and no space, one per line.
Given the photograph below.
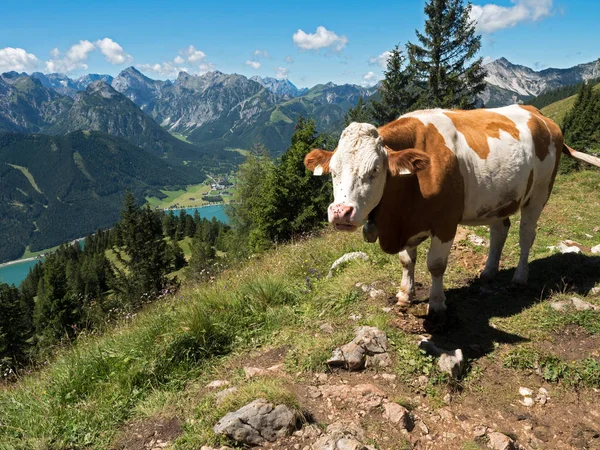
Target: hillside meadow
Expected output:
[146,379]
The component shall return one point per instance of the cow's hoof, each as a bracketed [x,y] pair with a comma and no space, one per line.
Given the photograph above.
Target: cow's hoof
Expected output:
[488,275]
[519,281]
[404,300]
[435,320]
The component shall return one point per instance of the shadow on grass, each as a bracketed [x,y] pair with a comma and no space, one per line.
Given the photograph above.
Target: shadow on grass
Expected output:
[471,307]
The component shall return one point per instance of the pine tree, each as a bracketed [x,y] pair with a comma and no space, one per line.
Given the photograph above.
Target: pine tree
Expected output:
[142,262]
[360,113]
[397,93]
[444,64]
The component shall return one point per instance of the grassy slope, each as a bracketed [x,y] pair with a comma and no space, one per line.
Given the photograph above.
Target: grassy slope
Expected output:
[156,364]
[558,110]
[182,197]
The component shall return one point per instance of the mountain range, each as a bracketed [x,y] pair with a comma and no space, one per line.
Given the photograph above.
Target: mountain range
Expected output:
[83,141]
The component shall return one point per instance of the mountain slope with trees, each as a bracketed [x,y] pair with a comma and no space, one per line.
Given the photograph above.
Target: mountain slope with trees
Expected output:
[57,188]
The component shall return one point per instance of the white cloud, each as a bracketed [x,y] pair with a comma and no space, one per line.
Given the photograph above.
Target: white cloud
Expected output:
[289,59]
[17,59]
[192,54]
[178,60]
[322,39]
[113,52]
[205,67]
[369,79]
[75,58]
[380,60]
[261,54]
[165,69]
[491,17]
[281,73]
[254,64]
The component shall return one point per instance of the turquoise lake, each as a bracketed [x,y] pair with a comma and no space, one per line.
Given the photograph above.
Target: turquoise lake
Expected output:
[16,273]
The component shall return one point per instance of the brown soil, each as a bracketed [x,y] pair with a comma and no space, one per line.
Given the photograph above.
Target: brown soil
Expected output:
[151,434]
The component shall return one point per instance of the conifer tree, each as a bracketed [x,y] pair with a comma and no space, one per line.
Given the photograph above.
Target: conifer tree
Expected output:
[360,113]
[446,68]
[397,93]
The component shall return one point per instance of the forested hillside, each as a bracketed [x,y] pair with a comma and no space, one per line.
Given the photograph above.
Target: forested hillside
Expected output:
[57,188]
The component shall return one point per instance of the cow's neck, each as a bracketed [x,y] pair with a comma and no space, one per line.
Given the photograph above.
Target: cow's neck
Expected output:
[397,215]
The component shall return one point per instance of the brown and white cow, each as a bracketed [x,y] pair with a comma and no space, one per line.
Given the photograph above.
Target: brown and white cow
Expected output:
[425,173]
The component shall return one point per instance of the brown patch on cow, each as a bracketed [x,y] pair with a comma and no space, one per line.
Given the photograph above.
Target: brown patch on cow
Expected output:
[479,125]
[540,135]
[432,200]
[554,134]
[316,158]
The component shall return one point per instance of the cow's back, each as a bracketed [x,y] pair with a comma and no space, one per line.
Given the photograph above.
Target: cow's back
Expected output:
[507,156]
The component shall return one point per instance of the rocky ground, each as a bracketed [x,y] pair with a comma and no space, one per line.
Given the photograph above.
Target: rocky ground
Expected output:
[362,400]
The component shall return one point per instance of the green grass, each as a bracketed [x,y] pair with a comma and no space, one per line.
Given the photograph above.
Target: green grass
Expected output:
[182,198]
[28,175]
[179,136]
[156,364]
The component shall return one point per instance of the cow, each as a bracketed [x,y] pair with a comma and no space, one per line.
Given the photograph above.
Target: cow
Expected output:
[425,173]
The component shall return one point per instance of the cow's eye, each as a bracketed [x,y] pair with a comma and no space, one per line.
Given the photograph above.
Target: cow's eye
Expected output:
[373,173]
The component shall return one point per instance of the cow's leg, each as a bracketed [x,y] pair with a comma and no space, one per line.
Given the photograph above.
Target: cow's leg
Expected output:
[406,294]
[498,233]
[529,218]
[437,260]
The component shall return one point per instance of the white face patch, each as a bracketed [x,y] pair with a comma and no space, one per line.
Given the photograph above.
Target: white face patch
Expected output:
[359,170]
[318,171]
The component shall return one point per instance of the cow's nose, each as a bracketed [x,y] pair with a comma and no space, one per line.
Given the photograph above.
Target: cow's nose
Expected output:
[342,212]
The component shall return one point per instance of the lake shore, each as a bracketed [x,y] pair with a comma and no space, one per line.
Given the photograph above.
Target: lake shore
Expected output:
[18,261]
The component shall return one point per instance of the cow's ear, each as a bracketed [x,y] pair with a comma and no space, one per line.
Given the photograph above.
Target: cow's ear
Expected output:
[407,162]
[317,161]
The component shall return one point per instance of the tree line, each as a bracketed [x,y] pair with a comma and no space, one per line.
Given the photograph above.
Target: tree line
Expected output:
[114,273]
[441,70]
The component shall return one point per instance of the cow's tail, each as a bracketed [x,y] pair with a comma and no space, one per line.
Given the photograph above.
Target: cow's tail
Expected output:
[594,161]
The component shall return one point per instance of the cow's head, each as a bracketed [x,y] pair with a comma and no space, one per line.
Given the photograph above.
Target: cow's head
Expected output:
[360,166]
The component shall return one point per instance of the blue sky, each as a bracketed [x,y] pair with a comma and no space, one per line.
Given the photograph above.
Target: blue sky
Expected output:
[309,42]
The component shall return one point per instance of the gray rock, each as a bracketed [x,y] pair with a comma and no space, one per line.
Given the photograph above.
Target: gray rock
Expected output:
[222,395]
[596,249]
[500,441]
[563,247]
[217,384]
[368,342]
[582,305]
[559,306]
[398,415]
[342,437]
[257,422]
[450,361]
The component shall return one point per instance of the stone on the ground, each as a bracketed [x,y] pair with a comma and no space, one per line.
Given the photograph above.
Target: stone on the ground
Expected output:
[596,249]
[582,305]
[500,441]
[206,447]
[368,342]
[347,257]
[542,396]
[567,247]
[341,436]
[222,395]
[524,391]
[257,422]
[476,240]
[398,415]
[217,384]
[449,361]
[575,302]
[560,305]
